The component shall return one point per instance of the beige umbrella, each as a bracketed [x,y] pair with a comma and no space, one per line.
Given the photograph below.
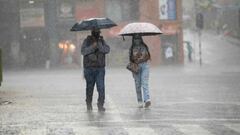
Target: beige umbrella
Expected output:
[141,28]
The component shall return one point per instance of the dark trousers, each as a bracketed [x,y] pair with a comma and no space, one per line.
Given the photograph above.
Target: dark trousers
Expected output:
[92,76]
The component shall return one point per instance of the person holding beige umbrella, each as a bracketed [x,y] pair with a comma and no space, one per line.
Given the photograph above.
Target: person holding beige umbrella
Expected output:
[139,57]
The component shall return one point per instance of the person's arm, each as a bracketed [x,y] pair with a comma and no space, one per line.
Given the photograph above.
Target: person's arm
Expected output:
[87,49]
[103,47]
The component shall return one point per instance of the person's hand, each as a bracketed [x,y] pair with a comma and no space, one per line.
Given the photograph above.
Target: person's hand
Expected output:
[94,45]
[100,43]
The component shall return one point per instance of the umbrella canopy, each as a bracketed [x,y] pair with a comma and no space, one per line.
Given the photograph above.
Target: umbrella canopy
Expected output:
[141,28]
[93,23]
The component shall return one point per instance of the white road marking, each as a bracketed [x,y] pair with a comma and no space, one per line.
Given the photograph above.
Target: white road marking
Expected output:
[114,109]
[190,101]
[130,131]
[41,131]
[235,127]
[137,121]
[192,130]
[141,131]
[87,131]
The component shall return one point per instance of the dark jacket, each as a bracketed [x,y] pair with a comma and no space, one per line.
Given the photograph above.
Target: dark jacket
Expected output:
[141,54]
[94,57]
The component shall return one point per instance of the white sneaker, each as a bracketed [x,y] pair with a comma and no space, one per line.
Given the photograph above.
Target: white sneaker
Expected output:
[140,104]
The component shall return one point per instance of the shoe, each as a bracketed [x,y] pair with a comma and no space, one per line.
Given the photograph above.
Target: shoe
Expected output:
[101,108]
[140,105]
[147,104]
[89,107]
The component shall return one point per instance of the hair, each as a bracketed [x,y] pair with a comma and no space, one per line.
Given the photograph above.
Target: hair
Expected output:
[95,31]
[133,44]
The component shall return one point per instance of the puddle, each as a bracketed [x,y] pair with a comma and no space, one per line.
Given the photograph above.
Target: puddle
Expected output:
[5,102]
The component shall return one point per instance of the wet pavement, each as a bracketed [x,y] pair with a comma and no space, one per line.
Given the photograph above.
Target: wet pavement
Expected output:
[186,100]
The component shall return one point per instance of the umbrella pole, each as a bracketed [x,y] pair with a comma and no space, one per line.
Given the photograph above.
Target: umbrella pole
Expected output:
[123,38]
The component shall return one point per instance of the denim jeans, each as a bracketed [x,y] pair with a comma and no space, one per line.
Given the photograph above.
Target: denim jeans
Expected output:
[92,76]
[141,82]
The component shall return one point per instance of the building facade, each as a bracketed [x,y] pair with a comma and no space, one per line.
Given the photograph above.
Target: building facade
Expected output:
[42,38]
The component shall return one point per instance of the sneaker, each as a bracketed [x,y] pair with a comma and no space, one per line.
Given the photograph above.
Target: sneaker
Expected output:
[101,109]
[140,105]
[89,108]
[147,104]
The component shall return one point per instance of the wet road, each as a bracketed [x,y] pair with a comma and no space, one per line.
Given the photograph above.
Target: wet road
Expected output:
[186,100]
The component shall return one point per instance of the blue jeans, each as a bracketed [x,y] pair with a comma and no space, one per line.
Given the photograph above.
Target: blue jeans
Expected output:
[141,82]
[92,76]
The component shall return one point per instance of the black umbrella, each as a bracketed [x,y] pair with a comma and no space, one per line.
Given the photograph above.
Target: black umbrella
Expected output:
[93,23]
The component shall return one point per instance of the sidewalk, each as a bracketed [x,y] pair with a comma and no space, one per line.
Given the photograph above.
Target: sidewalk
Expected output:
[232,40]
[217,51]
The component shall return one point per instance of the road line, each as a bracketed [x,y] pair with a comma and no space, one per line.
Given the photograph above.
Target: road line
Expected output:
[136,121]
[200,102]
[141,131]
[192,130]
[87,131]
[130,131]
[41,131]
[114,109]
[235,127]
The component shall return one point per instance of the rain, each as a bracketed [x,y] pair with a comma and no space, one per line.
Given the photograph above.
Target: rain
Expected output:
[119,67]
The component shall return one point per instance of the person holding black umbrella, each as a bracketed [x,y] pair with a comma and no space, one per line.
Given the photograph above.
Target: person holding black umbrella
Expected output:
[94,49]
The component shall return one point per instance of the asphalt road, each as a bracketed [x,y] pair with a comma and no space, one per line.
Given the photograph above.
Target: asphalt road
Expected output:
[186,100]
